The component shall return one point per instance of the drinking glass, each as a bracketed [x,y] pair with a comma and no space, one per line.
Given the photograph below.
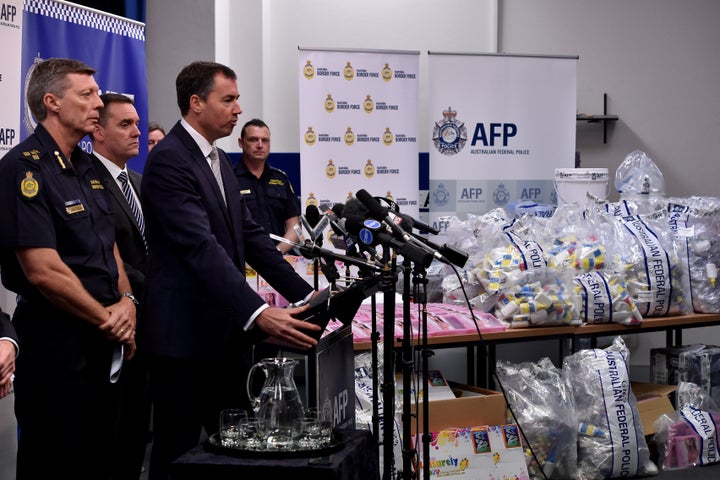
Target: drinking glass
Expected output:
[251,436]
[231,422]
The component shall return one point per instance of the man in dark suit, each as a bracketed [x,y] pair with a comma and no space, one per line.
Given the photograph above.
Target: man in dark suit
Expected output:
[116,139]
[8,352]
[200,315]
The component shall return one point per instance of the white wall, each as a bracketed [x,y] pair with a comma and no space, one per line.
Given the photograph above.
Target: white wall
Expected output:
[657,61]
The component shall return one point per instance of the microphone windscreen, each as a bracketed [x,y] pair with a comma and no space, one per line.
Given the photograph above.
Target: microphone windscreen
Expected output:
[312,215]
[353,223]
[353,208]
[338,209]
[376,210]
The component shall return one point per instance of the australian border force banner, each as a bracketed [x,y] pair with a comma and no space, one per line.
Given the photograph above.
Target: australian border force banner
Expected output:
[499,126]
[112,45]
[358,126]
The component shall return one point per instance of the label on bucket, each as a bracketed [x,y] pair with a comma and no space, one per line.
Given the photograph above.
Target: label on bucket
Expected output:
[581,184]
[582,174]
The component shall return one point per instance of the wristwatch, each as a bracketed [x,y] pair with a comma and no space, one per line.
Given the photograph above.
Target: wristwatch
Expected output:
[131,297]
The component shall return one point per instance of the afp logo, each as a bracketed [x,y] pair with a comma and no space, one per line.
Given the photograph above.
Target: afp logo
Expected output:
[449,134]
[7,137]
[8,13]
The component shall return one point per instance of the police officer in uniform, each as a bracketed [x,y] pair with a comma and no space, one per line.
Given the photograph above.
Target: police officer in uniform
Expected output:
[266,190]
[75,316]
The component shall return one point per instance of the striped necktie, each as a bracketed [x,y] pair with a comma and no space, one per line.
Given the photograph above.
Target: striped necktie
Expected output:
[215,167]
[130,197]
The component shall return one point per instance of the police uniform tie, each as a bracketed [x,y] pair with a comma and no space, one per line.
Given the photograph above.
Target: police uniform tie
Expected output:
[215,166]
[127,191]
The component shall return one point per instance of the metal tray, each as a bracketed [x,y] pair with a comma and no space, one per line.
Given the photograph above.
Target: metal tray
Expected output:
[338,439]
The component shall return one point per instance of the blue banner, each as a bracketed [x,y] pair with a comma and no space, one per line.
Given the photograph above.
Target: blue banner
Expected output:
[112,45]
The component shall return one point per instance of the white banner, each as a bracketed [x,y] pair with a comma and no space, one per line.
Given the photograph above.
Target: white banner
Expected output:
[500,125]
[11,13]
[358,126]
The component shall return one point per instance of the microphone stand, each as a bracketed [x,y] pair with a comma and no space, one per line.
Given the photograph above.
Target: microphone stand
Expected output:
[420,283]
[387,285]
[407,367]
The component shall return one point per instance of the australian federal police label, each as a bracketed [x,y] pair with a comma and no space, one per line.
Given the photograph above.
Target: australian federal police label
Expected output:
[613,376]
[530,251]
[704,425]
[598,301]
[657,266]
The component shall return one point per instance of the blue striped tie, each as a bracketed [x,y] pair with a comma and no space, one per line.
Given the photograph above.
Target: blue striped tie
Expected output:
[127,191]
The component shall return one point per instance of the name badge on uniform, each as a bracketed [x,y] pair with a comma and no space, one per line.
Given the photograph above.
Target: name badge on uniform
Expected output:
[74,206]
[244,192]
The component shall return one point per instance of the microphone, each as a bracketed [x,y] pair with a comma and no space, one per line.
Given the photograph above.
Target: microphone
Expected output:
[354,207]
[309,250]
[380,213]
[371,233]
[408,222]
[338,209]
[312,215]
[311,221]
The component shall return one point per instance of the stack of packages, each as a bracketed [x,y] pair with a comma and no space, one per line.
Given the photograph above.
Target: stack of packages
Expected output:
[580,422]
[644,256]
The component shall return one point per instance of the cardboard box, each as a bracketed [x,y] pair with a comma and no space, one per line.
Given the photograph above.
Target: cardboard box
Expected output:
[438,387]
[493,451]
[652,401]
[474,407]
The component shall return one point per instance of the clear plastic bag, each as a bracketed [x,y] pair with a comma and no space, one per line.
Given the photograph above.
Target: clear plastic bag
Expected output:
[639,175]
[543,405]
[689,436]
[611,442]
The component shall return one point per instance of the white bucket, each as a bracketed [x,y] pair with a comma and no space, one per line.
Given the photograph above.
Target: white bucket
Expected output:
[581,185]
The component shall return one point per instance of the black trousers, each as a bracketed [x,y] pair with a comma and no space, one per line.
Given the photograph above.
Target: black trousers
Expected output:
[64,401]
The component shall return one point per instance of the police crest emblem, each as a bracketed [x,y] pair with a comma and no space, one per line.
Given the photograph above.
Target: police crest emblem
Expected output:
[449,135]
[308,70]
[29,186]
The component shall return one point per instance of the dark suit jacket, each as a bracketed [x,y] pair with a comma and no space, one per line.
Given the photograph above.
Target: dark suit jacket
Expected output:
[197,299]
[127,234]
[6,327]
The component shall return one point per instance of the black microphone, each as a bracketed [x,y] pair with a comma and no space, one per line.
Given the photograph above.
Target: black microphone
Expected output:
[380,213]
[311,219]
[353,207]
[310,251]
[407,222]
[312,215]
[338,209]
[371,232]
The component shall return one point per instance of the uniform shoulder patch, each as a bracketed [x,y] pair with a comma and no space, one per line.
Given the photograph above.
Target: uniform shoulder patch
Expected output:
[29,185]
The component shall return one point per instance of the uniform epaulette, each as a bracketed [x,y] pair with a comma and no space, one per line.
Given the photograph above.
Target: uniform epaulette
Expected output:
[34,154]
[278,170]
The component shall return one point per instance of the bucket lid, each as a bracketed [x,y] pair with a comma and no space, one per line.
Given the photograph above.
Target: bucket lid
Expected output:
[582,174]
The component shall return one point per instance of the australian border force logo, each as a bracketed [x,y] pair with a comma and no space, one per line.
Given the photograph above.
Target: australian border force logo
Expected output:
[449,135]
